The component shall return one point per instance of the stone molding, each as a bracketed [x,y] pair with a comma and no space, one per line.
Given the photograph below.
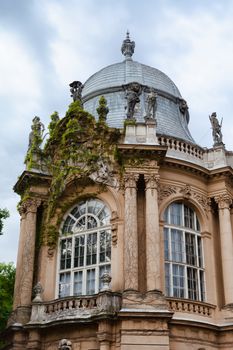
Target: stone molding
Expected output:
[224,200]
[114,227]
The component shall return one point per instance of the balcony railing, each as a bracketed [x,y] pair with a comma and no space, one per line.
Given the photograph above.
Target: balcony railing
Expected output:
[182,146]
[83,307]
[195,307]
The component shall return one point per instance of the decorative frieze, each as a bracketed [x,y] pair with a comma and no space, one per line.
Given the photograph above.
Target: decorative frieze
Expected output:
[165,191]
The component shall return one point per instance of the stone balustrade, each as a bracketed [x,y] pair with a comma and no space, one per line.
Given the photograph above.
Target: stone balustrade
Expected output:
[181,146]
[195,307]
[80,307]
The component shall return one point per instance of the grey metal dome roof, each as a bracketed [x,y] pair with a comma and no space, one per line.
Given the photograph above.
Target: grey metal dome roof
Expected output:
[128,71]
[109,82]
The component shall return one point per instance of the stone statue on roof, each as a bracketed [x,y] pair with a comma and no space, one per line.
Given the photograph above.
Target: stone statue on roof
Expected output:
[133,91]
[76,90]
[36,134]
[216,129]
[151,104]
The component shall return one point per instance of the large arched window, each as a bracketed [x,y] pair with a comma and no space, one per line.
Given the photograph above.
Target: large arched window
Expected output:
[184,267]
[85,248]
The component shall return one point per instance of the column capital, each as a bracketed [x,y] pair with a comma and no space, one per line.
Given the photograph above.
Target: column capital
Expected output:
[29,205]
[151,181]
[130,180]
[223,200]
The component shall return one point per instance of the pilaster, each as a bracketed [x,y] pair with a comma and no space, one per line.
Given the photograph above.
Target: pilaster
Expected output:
[224,201]
[130,237]
[153,259]
[26,255]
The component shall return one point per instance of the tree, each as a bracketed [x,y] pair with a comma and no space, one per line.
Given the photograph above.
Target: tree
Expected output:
[4,213]
[7,280]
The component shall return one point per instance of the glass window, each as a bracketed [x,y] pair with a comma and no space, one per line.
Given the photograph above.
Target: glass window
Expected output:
[184,270]
[85,248]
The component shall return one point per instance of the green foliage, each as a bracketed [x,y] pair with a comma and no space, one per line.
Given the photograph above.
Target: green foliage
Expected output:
[7,280]
[4,214]
[102,110]
[53,124]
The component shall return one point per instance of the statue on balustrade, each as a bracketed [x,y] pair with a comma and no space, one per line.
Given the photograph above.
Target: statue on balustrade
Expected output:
[216,129]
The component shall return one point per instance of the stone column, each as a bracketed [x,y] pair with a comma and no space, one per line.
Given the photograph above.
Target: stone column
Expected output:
[131,237]
[104,335]
[19,257]
[26,255]
[153,246]
[224,201]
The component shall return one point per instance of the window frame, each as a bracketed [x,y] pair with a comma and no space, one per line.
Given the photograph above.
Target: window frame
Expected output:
[192,233]
[99,229]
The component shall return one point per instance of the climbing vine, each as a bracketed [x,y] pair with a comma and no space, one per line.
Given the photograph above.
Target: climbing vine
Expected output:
[77,147]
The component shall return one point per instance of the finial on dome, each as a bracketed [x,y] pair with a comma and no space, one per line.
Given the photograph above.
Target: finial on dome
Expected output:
[127,47]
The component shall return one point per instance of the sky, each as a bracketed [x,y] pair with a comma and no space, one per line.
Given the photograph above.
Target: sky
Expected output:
[46,44]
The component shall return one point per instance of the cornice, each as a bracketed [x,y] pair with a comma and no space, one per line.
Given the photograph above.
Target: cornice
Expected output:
[28,178]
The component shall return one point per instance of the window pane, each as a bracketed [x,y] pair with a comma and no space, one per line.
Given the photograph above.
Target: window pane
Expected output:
[167,280]
[66,251]
[91,249]
[64,285]
[177,245]
[68,226]
[166,218]
[91,222]
[79,251]
[192,283]
[202,285]
[190,245]
[81,224]
[176,214]
[178,281]
[90,287]
[199,246]
[78,282]
[105,246]
[188,217]
[166,244]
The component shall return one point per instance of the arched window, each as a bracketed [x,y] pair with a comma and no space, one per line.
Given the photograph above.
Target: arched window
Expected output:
[85,248]
[184,267]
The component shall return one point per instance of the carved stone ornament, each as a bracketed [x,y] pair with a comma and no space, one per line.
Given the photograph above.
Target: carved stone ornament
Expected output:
[106,280]
[152,181]
[114,227]
[223,200]
[65,344]
[36,134]
[130,180]
[186,191]
[104,175]
[38,290]
[204,201]
[127,47]
[166,191]
[29,205]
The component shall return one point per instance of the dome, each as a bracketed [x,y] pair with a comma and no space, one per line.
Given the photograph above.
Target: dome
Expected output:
[111,83]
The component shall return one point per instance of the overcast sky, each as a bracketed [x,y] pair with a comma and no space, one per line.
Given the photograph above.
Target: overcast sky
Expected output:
[46,44]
